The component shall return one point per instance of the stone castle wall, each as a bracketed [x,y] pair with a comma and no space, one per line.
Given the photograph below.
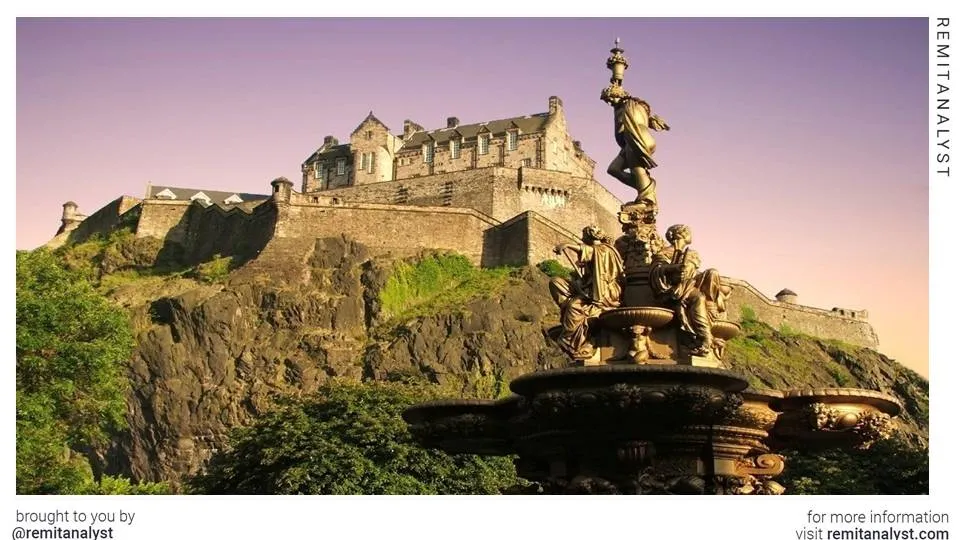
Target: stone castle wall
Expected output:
[432,216]
[241,231]
[527,239]
[388,229]
[164,219]
[821,323]
[102,221]
[499,192]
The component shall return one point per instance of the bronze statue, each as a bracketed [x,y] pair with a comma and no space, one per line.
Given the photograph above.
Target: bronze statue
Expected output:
[632,124]
[596,288]
[698,298]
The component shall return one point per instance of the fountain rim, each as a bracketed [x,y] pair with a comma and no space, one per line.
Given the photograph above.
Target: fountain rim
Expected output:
[593,376]
[854,396]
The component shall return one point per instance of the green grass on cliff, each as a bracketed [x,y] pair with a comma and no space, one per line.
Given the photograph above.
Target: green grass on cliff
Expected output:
[435,283]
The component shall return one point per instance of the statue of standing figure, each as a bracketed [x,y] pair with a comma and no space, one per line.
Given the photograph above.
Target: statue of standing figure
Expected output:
[698,298]
[633,122]
[596,288]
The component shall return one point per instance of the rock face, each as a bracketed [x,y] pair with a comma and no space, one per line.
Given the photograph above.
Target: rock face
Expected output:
[212,357]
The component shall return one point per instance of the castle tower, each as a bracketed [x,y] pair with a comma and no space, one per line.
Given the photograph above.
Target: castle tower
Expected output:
[70,218]
[787,296]
[282,189]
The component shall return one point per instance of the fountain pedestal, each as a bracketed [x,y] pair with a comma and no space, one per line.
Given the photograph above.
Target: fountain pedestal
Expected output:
[649,429]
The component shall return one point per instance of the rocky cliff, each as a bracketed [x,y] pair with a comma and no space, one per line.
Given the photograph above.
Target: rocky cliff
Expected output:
[213,353]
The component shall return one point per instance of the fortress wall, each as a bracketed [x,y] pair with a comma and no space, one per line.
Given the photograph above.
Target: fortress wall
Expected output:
[807,320]
[163,219]
[544,236]
[502,193]
[607,201]
[103,220]
[464,189]
[507,244]
[235,232]
[567,200]
[527,239]
[397,230]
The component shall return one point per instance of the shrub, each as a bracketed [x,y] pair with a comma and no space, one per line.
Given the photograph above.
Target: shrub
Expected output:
[437,282]
[553,268]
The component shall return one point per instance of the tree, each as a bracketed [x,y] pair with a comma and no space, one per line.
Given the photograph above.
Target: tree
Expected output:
[890,467]
[72,348]
[346,439]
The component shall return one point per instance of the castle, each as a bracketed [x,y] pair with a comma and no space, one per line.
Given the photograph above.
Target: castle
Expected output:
[501,192]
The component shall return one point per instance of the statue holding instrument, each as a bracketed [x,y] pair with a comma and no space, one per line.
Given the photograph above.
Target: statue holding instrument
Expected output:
[595,288]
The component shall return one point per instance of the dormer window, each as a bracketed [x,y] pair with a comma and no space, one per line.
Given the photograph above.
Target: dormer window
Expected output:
[341,167]
[512,140]
[483,144]
[318,170]
[428,152]
[454,148]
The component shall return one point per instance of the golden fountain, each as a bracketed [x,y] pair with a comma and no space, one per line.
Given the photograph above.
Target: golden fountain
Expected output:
[647,406]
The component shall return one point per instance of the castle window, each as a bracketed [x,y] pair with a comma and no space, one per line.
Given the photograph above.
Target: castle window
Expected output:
[369,135]
[511,140]
[366,162]
[454,148]
[428,152]
[318,170]
[483,144]
[341,167]
[526,163]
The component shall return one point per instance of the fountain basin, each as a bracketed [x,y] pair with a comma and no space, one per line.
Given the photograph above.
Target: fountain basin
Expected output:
[626,317]
[835,417]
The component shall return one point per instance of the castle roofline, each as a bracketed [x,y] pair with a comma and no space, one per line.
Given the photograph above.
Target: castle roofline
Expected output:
[370,117]
[324,152]
[187,194]
[532,123]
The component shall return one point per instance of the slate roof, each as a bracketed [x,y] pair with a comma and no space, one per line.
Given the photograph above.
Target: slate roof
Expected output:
[786,292]
[526,124]
[185,194]
[333,152]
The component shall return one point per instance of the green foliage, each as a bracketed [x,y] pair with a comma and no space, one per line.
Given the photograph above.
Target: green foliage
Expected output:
[787,330]
[890,467]
[553,268]
[214,270]
[437,282]
[72,348]
[115,485]
[748,315]
[346,439]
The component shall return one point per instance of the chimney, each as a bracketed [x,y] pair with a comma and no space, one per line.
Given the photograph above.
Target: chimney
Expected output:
[453,122]
[555,105]
[329,141]
[409,128]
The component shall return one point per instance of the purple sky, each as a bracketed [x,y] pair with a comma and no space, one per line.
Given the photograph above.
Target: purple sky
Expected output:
[798,149]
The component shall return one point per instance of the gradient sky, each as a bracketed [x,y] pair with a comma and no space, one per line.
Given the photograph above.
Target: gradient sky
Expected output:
[798,149]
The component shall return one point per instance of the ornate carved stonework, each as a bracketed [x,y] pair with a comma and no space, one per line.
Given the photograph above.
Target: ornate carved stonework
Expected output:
[869,426]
